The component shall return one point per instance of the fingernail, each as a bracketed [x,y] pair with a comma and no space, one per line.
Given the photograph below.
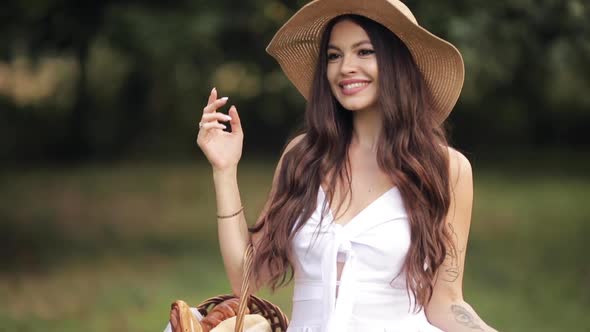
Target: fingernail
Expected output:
[224,98]
[212,89]
[228,117]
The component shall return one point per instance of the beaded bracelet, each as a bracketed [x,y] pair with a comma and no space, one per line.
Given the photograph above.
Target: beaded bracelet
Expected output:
[231,215]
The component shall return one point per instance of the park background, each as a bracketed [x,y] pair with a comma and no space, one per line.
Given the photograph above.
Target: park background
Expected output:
[107,208]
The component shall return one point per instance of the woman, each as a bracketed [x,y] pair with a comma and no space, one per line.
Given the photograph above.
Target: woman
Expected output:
[369,207]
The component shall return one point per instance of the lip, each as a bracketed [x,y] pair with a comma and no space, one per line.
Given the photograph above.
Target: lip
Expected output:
[353,91]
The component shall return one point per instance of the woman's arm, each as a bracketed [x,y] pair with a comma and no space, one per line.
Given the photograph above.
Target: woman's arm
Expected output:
[224,150]
[232,232]
[447,310]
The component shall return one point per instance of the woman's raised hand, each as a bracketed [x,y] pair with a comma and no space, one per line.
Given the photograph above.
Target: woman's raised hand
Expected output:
[223,149]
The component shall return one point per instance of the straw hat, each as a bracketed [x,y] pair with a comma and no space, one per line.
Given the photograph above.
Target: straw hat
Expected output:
[296,46]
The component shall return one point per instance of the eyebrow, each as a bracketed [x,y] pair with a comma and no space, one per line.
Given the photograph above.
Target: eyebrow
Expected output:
[357,44]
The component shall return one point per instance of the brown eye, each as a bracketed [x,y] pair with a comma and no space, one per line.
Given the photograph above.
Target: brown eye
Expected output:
[332,56]
[365,52]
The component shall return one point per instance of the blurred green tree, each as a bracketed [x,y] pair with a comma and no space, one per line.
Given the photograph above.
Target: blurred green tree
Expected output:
[145,68]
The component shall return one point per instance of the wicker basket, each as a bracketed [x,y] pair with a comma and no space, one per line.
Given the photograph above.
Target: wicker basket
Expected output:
[273,314]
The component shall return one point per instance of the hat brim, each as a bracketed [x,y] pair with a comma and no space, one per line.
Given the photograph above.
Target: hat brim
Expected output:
[296,47]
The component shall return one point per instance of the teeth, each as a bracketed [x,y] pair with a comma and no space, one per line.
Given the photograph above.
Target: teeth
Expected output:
[354,85]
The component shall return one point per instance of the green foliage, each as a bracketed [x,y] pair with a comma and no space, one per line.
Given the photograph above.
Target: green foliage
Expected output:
[109,247]
[145,69]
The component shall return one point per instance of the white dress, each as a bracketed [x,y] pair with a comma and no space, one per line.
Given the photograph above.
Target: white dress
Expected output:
[372,247]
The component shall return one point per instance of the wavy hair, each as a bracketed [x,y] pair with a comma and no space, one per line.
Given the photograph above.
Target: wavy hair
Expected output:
[411,150]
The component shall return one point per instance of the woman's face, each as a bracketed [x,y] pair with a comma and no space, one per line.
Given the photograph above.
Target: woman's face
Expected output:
[352,67]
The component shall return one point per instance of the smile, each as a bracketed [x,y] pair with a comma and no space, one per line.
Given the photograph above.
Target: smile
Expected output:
[352,88]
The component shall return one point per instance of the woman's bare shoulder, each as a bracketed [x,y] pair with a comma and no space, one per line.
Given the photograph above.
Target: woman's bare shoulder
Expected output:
[293,142]
[459,165]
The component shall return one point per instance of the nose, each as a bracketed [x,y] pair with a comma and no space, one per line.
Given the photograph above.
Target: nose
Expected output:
[349,65]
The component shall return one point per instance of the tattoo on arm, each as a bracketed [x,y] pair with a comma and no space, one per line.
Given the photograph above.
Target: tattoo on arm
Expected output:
[451,269]
[464,317]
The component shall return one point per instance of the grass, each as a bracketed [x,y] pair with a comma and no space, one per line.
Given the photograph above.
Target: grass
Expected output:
[109,247]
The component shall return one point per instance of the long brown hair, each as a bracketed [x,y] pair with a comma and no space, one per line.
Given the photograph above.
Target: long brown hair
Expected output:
[411,149]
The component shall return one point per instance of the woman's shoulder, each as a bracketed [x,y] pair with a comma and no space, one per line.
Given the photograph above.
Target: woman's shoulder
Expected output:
[457,157]
[459,165]
[290,144]
[294,141]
